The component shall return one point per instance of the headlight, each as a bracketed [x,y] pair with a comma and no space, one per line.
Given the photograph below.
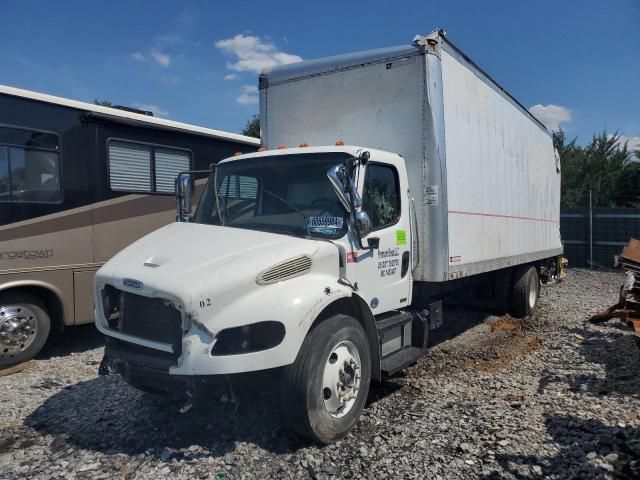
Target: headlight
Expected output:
[111,305]
[248,338]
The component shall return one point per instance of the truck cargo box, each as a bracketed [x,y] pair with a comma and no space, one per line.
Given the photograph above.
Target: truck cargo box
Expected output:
[482,169]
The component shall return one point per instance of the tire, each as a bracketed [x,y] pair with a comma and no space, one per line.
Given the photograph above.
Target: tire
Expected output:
[24,328]
[310,403]
[525,293]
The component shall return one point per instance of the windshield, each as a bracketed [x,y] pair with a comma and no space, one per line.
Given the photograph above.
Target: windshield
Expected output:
[288,194]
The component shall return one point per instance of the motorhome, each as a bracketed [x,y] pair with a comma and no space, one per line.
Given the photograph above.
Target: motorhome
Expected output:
[79,182]
[391,180]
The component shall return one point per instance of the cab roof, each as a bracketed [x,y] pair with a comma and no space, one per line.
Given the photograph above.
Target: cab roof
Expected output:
[352,150]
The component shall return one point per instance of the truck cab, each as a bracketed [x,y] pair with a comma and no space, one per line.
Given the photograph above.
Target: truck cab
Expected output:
[299,258]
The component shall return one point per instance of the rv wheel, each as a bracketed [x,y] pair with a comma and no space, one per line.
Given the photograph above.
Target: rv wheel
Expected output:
[324,391]
[24,328]
[526,289]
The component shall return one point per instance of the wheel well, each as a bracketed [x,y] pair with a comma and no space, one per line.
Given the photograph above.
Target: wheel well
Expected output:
[50,299]
[355,307]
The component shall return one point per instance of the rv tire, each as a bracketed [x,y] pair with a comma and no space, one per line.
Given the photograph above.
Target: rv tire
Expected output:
[24,327]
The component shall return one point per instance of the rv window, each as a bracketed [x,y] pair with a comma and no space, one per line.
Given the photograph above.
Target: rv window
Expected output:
[28,175]
[138,167]
[28,138]
[169,163]
[239,186]
[129,166]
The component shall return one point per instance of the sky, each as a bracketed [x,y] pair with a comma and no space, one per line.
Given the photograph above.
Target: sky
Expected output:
[574,63]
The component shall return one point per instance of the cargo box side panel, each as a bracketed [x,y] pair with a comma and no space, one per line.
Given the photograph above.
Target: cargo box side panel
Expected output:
[503,182]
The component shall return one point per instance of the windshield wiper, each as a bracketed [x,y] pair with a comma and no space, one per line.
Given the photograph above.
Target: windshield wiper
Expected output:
[293,207]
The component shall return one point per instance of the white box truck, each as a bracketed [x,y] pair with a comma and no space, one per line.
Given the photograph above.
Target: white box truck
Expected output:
[414,177]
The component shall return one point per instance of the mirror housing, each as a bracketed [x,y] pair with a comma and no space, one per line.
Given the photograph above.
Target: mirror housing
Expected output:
[340,177]
[184,192]
[363,223]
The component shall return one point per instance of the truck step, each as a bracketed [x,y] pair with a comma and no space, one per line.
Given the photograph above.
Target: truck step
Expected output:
[400,359]
[392,320]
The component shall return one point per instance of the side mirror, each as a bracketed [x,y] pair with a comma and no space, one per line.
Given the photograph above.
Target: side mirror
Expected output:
[363,223]
[338,179]
[184,192]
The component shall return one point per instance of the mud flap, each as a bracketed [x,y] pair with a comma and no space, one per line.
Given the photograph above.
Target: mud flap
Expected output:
[436,318]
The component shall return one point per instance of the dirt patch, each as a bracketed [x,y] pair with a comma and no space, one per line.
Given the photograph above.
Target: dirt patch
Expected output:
[500,350]
[506,324]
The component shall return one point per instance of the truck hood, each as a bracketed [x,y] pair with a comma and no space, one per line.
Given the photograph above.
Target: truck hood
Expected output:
[188,259]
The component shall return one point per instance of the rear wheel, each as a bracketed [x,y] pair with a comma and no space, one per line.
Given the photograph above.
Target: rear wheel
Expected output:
[325,389]
[24,328]
[526,289]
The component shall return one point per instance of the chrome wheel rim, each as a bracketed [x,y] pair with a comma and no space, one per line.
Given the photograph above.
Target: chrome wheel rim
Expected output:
[533,291]
[341,379]
[18,329]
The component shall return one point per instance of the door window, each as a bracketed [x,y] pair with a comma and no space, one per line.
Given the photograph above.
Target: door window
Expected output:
[381,196]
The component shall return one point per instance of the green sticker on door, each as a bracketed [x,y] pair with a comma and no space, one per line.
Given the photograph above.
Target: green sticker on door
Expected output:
[401,237]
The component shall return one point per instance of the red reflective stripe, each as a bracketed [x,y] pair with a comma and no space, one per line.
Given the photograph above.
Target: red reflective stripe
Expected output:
[478,214]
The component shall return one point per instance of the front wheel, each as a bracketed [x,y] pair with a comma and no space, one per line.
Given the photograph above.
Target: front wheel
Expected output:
[325,389]
[24,328]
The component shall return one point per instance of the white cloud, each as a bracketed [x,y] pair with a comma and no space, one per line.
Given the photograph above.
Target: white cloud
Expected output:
[248,96]
[231,76]
[155,109]
[633,143]
[254,54]
[163,59]
[551,115]
[139,57]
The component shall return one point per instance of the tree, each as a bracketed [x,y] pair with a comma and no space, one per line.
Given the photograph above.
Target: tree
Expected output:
[604,167]
[252,127]
[102,103]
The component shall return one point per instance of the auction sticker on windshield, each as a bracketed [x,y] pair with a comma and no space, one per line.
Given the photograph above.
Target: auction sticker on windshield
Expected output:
[331,222]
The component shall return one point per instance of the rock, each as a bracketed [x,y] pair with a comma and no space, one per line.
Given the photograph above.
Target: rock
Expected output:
[465,447]
[89,466]
[607,467]
[611,458]
[504,443]
[166,454]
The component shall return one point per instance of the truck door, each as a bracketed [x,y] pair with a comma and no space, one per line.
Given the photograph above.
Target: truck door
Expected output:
[384,270]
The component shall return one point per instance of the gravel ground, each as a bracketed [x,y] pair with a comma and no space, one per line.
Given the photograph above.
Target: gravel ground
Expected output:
[559,398]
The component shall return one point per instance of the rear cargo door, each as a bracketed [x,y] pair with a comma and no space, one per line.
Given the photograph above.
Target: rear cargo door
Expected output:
[384,271]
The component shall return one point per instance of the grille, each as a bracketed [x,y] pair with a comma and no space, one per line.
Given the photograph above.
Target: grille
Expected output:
[285,270]
[151,319]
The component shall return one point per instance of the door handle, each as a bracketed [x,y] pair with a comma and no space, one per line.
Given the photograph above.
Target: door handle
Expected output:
[405,264]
